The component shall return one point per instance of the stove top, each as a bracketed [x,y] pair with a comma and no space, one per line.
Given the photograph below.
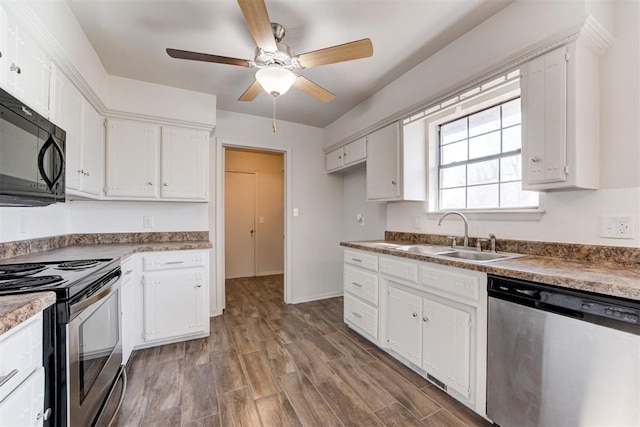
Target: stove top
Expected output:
[65,278]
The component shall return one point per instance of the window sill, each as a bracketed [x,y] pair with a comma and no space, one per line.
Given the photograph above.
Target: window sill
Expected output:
[495,215]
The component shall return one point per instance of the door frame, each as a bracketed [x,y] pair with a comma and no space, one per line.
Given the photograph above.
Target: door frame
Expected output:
[255,214]
[221,144]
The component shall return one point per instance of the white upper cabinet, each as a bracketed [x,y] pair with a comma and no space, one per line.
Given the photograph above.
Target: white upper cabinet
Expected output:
[147,160]
[93,130]
[343,158]
[396,164]
[560,128]
[133,159]
[185,158]
[26,69]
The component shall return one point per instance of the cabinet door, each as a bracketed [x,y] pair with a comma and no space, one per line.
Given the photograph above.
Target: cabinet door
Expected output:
[383,167]
[35,74]
[67,113]
[132,159]
[446,338]
[24,406]
[333,159]
[404,324]
[4,59]
[13,45]
[544,118]
[174,304]
[185,155]
[355,151]
[93,150]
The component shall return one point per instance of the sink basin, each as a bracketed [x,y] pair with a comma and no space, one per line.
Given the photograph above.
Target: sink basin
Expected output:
[384,245]
[425,249]
[478,256]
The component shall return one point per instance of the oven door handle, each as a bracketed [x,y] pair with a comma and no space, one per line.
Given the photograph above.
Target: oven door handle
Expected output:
[104,292]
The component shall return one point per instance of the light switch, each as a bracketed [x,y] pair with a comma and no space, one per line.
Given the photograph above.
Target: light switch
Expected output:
[295,212]
[260,220]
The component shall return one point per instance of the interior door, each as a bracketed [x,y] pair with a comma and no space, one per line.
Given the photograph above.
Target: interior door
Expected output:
[240,214]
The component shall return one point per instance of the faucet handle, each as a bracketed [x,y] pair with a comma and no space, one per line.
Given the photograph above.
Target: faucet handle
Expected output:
[479,243]
[493,242]
[453,239]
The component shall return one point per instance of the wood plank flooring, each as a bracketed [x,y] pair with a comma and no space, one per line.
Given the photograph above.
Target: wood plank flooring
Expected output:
[271,364]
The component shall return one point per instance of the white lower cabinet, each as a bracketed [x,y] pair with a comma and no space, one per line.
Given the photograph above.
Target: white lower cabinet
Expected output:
[175,295]
[446,345]
[404,335]
[131,307]
[22,375]
[430,317]
[361,293]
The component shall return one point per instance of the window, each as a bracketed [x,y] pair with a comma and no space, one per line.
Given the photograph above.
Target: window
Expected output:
[479,161]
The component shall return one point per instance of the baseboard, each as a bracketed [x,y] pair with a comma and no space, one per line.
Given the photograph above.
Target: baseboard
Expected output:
[215,312]
[170,341]
[316,297]
[270,273]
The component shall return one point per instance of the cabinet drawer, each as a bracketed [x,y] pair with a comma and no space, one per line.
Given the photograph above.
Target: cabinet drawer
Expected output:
[361,315]
[360,259]
[24,406]
[174,261]
[450,282]
[402,269]
[361,284]
[20,353]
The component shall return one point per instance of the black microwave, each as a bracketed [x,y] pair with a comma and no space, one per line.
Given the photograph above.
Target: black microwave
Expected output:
[31,156]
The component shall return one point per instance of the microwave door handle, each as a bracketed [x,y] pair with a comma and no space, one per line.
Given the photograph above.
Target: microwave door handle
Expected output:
[50,142]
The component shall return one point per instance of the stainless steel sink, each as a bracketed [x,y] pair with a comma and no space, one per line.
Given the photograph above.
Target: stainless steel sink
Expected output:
[384,245]
[425,249]
[470,255]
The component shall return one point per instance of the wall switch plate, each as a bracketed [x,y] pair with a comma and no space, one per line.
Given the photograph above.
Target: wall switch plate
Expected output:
[296,212]
[147,221]
[616,227]
[260,220]
[360,218]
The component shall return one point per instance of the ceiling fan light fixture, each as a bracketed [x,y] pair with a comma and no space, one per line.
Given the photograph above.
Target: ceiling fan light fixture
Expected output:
[275,80]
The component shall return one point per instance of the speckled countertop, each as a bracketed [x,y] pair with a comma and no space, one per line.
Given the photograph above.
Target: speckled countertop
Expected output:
[15,309]
[618,281]
[105,250]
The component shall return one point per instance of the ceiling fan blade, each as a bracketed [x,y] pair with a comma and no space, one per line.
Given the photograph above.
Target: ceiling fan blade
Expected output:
[340,53]
[313,89]
[257,17]
[205,57]
[251,92]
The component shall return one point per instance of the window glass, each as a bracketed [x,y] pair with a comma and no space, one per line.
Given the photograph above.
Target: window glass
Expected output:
[481,161]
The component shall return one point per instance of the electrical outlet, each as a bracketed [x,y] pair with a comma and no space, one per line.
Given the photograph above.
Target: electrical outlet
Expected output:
[360,218]
[147,221]
[616,227]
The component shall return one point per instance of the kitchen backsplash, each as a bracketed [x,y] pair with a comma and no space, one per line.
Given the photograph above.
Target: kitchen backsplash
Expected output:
[24,247]
[611,255]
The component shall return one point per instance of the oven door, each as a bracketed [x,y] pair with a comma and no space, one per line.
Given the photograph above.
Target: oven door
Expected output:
[94,352]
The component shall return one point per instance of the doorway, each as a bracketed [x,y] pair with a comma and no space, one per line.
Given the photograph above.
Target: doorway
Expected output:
[254,212]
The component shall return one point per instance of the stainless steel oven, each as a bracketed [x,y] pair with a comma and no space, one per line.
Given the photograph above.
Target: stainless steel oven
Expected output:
[94,352]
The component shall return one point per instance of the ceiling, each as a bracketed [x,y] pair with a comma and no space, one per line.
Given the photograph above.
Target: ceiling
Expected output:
[130,37]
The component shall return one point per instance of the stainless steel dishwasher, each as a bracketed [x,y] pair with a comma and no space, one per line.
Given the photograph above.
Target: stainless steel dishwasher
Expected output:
[559,357]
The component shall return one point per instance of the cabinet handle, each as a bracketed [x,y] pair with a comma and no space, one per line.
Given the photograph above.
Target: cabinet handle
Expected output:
[80,171]
[345,154]
[356,284]
[198,286]
[15,68]
[27,112]
[172,262]
[535,159]
[165,184]
[393,182]
[425,319]
[356,259]
[0,54]
[87,173]
[45,416]
[414,314]
[128,272]
[149,183]
[7,377]
[339,157]
[356,314]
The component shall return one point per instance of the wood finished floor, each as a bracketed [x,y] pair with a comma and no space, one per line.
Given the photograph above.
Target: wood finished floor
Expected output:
[271,364]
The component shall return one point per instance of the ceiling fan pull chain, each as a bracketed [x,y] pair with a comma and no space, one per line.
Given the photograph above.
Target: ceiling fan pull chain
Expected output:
[273,122]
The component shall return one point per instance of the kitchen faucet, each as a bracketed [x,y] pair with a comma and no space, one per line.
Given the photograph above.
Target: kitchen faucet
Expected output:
[465,243]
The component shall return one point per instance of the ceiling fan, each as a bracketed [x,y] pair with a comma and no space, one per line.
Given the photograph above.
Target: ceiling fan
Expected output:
[276,61]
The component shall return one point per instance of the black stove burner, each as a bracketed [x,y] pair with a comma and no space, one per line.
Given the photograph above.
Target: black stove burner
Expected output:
[77,265]
[20,269]
[30,282]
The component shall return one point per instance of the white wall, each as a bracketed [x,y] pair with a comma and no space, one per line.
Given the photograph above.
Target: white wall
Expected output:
[355,202]
[316,232]
[571,216]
